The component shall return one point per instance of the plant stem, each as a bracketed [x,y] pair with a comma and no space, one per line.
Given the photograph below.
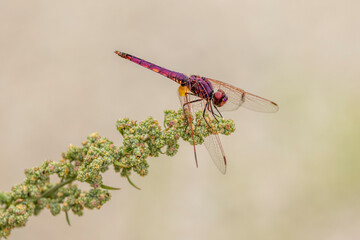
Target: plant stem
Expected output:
[55,188]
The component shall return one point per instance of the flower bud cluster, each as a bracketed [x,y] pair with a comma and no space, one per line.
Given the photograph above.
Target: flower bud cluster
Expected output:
[94,158]
[87,163]
[177,126]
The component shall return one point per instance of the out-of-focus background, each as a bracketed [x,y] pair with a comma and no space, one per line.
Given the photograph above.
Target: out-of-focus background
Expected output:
[291,175]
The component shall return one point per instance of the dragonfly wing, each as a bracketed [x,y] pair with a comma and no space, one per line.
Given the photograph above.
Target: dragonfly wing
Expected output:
[259,104]
[216,151]
[238,97]
[185,104]
[211,142]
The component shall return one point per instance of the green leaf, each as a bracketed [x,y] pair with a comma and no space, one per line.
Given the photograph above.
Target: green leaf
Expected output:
[108,187]
[120,164]
[67,218]
[131,183]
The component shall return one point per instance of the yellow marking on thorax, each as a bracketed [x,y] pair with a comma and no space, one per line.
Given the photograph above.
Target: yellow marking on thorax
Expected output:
[182,91]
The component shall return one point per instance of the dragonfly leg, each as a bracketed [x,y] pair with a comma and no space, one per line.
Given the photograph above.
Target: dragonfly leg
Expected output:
[204,114]
[218,111]
[210,108]
[197,100]
[190,93]
[189,119]
[188,103]
[214,114]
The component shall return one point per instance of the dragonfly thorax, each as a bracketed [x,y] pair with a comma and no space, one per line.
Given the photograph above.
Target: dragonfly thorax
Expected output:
[202,87]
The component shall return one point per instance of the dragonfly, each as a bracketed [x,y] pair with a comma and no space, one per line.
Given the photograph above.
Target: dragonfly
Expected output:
[212,97]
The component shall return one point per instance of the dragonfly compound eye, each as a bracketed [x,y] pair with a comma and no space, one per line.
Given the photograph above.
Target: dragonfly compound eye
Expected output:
[220,98]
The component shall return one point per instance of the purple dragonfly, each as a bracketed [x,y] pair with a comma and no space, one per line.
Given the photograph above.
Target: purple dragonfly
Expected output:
[211,97]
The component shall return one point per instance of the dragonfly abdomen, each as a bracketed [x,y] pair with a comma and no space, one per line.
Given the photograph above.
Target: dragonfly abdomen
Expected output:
[177,77]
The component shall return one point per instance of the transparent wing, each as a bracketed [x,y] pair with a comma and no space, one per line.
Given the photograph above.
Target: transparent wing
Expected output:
[216,151]
[238,97]
[212,142]
[188,110]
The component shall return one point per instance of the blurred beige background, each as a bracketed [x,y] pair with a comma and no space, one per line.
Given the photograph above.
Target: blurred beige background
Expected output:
[291,175]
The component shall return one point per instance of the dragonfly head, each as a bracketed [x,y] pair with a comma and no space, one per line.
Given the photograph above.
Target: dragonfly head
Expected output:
[219,98]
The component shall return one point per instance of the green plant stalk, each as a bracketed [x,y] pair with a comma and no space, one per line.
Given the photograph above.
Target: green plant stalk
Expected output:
[87,164]
[51,191]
